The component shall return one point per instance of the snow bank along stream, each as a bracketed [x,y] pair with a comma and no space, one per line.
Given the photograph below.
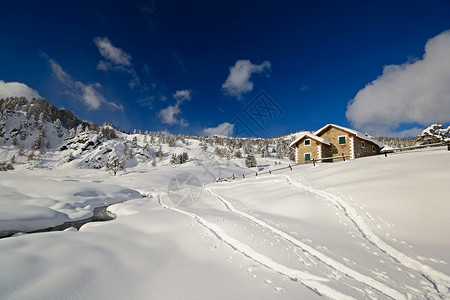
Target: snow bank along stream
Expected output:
[100,214]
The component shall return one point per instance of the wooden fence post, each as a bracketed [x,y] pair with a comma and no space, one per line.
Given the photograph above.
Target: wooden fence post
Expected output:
[290,167]
[314,162]
[256,174]
[448,146]
[243,177]
[270,172]
[385,154]
[343,157]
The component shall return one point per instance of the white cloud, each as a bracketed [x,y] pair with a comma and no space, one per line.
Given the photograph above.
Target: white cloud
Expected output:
[182,95]
[17,89]
[103,65]
[91,97]
[224,129]
[169,114]
[238,81]
[117,60]
[59,73]
[87,93]
[415,92]
[112,53]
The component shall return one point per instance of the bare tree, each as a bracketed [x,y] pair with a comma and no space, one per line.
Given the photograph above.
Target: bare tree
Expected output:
[115,164]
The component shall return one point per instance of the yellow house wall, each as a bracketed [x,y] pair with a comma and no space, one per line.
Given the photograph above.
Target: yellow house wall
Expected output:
[302,149]
[332,135]
[367,151]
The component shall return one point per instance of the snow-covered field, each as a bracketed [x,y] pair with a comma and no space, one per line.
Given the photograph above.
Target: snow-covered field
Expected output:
[370,228]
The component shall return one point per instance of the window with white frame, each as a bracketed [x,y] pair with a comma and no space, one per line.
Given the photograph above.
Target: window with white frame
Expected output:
[342,140]
[307,142]
[307,156]
[363,145]
[373,148]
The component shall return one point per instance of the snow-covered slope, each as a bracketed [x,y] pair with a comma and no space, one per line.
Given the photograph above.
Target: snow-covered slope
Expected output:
[371,228]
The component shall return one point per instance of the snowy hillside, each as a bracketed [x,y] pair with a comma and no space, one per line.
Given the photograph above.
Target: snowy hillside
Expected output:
[370,228]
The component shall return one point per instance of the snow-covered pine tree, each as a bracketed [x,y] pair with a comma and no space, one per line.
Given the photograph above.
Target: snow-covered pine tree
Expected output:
[280,151]
[173,159]
[265,151]
[160,153]
[248,148]
[30,156]
[126,149]
[250,161]
[57,124]
[15,140]
[79,129]
[291,154]
[6,166]
[183,157]
[171,141]
[38,142]
[228,153]
[20,150]
[218,151]
[72,133]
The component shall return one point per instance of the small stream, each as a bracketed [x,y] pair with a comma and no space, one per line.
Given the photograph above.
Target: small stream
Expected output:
[101,214]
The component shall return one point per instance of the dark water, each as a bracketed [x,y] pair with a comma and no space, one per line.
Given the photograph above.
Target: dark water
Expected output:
[101,214]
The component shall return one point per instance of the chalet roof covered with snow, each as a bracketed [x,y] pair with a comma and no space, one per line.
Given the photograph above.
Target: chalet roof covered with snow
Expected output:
[358,134]
[311,136]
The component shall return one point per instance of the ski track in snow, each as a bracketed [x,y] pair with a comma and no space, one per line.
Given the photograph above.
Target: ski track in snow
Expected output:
[384,289]
[439,280]
[310,281]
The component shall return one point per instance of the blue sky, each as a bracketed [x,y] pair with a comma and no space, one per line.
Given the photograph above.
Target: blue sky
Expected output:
[262,68]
